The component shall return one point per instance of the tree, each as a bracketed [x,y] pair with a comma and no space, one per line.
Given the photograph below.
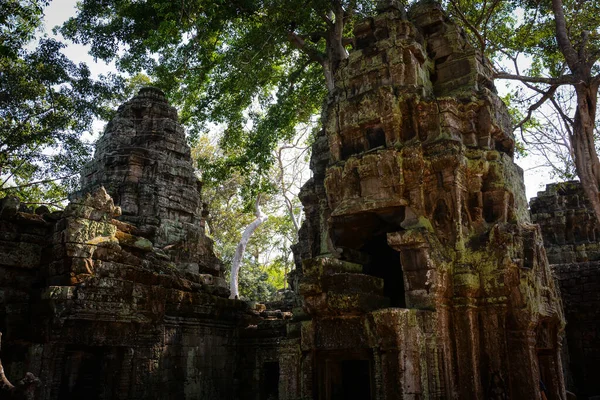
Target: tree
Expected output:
[545,134]
[266,258]
[241,248]
[292,162]
[561,38]
[259,67]
[46,104]
[263,66]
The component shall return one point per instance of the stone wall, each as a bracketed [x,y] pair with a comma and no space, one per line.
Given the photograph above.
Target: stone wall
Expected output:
[24,251]
[572,241]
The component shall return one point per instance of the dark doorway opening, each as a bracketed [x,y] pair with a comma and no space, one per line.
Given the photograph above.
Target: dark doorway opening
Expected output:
[84,374]
[384,263]
[547,358]
[348,380]
[547,368]
[91,373]
[356,379]
[365,235]
[375,137]
[270,381]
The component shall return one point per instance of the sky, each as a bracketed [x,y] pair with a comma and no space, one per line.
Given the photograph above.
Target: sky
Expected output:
[60,10]
[55,14]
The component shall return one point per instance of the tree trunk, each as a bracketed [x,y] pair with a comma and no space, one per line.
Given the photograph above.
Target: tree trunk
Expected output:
[587,164]
[329,78]
[241,247]
[336,51]
[586,159]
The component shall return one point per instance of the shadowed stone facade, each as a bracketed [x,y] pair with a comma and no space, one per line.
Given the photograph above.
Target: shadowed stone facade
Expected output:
[420,274]
[572,241]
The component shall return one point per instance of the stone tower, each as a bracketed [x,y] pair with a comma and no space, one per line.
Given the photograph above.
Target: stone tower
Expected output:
[144,163]
[121,297]
[421,269]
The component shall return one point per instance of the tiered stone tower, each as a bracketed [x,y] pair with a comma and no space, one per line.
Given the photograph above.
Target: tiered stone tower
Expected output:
[421,268]
[144,163]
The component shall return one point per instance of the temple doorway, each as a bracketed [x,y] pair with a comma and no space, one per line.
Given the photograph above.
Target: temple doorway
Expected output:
[384,263]
[548,361]
[346,376]
[270,381]
[362,238]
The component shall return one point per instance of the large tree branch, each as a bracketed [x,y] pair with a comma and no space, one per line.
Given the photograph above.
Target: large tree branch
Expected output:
[314,36]
[298,42]
[24,159]
[592,59]
[241,248]
[35,183]
[339,13]
[548,94]
[585,38]
[562,80]
[568,121]
[335,43]
[482,15]
[288,202]
[552,99]
[487,18]
[562,36]
[469,25]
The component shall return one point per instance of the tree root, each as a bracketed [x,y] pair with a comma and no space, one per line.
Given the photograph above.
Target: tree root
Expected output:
[25,388]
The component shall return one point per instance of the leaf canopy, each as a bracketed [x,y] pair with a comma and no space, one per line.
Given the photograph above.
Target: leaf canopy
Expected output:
[46,104]
[224,62]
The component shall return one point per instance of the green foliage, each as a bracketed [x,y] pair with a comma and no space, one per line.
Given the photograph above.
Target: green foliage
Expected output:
[268,256]
[46,104]
[223,62]
[258,67]
[526,28]
[254,283]
[521,37]
[488,23]
[267,260]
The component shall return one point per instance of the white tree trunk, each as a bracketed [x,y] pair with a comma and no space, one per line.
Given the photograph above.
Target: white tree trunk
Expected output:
[241,247]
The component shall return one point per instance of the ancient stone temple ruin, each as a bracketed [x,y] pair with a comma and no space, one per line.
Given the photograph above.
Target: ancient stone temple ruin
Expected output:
[419,272]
